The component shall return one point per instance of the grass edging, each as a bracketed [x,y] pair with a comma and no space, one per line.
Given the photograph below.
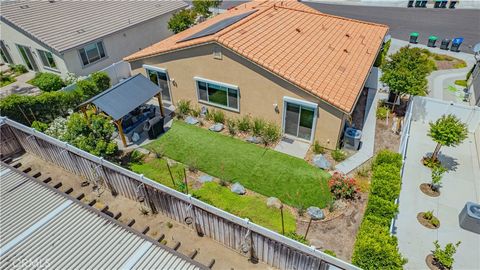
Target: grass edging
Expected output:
[374,247]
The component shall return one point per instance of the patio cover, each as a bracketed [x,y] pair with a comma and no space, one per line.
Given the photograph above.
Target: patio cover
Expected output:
[125,96]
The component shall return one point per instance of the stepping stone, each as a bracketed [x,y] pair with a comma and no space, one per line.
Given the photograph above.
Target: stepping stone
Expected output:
[321,162]
[315,213]
[238,188]
[216,127]
[191,120]
[205,178]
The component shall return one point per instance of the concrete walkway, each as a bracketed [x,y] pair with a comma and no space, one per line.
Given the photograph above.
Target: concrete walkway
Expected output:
[459,185]
[21,86]
[292,147]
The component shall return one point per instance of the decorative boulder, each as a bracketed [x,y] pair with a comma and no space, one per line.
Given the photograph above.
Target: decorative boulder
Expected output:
[321,162]
[217,127]
[191,120]
[339,204]
[205,178]
[253,139]
[315,213]
[238,188]
[274,202]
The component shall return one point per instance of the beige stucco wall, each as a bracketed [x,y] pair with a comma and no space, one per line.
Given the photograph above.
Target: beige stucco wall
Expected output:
[11,37]
[259,89]
[121,44]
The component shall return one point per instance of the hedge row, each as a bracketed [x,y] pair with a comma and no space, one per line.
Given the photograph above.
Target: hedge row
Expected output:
[47,106]
[374,247]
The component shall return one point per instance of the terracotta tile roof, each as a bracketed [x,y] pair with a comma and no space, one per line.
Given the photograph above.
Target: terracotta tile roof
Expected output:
[325,55]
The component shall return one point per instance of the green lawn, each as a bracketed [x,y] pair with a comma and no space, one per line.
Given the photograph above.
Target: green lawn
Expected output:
[292,180]
[251,207]
[157,170]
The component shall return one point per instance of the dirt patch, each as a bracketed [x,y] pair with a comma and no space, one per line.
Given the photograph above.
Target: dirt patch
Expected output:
[426,188]
[339,229]
[427,223]
[432,264]
[159,224]
[385,138]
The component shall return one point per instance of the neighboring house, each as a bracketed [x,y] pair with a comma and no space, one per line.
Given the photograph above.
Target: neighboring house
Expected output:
[281,61]
[80,36]
[474,84]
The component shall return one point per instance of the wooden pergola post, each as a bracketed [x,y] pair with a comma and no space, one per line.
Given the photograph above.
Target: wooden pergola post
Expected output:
[84,110]
[120,131]
[159,97]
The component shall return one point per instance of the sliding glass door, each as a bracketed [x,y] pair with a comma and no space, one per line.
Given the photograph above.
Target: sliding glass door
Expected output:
[27,57]
[160,78]
[299,120]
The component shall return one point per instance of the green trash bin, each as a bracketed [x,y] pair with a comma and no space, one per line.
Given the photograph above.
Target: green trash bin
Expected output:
[431,41]
[413,37]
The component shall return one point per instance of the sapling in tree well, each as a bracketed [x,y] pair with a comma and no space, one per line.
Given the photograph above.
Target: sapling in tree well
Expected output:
[448,130]
[437,175]
[444,257]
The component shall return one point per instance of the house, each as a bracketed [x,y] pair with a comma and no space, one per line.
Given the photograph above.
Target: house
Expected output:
[282,61]
[80,37]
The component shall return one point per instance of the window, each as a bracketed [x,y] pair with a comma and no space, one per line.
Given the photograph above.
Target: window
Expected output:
[159,77]
[92,53]
[4,53]
[219,94]
[47,59]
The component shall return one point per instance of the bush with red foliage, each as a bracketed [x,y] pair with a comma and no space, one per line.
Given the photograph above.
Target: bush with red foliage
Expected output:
[342,186]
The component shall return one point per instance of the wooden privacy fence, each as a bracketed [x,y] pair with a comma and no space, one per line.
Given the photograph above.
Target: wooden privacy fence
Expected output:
[239,234]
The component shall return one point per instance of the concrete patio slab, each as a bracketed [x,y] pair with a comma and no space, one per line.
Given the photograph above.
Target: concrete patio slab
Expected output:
[459,185]
[292,147]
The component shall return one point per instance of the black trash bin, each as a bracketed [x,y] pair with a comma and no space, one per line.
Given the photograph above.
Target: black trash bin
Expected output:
[452,3]
[443,4]
[445,44]
[431,41]
[424,3]
[456,42]
[437,3]
[413,37]
[410,3]
[418,3]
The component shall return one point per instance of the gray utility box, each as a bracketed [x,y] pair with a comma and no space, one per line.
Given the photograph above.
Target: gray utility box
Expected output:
[352,138]
[469,218]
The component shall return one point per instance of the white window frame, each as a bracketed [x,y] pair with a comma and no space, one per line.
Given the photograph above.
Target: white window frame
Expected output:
[231,86]
[303,103]
[164,70]
[43,64]
[96,45]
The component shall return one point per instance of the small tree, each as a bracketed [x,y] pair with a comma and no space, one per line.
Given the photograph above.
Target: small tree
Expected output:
[202,7]
[88,88]
[182,20]
[448,130]
[444,257]
[437,174]
[48,82]
[101,80]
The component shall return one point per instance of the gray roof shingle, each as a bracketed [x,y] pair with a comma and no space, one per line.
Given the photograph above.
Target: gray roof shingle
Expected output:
[63,25]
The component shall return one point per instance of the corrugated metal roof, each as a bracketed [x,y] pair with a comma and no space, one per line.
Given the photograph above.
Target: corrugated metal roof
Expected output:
[124,97]
[38,223]
[63,25]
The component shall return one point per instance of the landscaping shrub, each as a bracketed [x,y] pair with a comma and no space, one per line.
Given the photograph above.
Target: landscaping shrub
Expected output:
[330,252]
[44,107]
[183,108]
[218,116]
[444,257]
[196,111]
[101,80]
[382,112]
[462,83]
[460,64]
[317,148]
[88,88]
[381,56]
[270,134]
[18,69]
[6,79]
[39,126]
[258,126]
[48,82]
[342,186]
[232,126]
[244,124]
[374,247]
[297,237]
[338,155]
[136,157]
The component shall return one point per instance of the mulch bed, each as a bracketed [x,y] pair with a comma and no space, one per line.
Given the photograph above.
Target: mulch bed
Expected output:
[426,188]
[426,222]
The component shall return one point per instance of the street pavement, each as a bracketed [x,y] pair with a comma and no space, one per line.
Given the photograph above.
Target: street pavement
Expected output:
[444,23]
